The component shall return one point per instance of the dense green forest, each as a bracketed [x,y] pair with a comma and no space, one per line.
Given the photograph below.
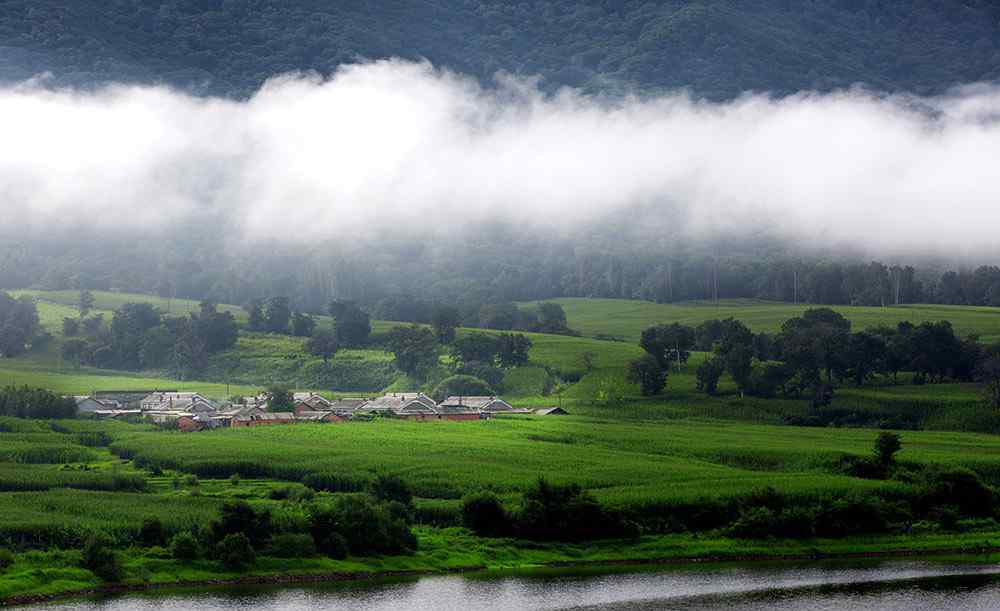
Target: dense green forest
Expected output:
[718,48]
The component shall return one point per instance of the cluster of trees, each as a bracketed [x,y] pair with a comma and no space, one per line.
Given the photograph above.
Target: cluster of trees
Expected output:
[503,316]
[141,337]
[229,48]
[351,328]
[26,402]
[18,324]
[275,315]
[478,359]
[813,353]
[376,523]
[547,512]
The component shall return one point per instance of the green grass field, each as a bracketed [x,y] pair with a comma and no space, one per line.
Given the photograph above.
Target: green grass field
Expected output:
[626,319]
[654,462]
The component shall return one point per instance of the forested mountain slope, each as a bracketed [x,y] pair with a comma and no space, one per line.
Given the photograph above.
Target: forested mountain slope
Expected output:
[718,48]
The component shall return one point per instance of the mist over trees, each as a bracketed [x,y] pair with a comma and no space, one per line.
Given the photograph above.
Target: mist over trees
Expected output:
[407,281]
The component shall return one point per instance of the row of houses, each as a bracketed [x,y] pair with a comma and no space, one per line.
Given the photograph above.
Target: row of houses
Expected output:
[191,411]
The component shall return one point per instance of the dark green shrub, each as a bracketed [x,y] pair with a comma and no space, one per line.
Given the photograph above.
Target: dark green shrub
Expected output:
[240,518]
[566,513]
[152,533]
[291,493]
[485,515]
[235,552]
[93,439]
[864,467]
[753,523]
[392,488]
[184,546]
[858,514]
[334,482]
[957,486]
[291,545]
[438,512]
[763,522]
[99,557]
[327,540]
[886,446]
[6,559]
[367,527]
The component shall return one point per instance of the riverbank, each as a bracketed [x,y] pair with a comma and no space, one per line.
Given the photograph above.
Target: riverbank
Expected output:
[44,576]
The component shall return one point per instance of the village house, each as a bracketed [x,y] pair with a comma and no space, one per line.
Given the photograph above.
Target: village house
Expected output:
[550,411]
[258,417]
[177,402]
[482,405]
[318,416]
[125,399]
[165,417]
[311,400]
[458,412]
[90,405]
[189,424]
[411,406]
[346,407]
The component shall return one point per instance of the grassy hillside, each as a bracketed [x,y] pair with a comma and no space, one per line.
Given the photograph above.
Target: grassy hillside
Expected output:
[262,358]
[602,392]
[626,319]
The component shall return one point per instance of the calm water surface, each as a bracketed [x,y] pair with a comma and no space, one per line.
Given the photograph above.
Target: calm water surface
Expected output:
[819,586]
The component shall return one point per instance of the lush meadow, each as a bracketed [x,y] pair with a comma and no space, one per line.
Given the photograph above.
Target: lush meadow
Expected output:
[625,319]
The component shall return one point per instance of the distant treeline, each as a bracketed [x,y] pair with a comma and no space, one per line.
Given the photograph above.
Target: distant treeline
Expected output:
[404,280]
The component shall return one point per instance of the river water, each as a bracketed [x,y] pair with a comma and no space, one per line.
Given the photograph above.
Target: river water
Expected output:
[868,585]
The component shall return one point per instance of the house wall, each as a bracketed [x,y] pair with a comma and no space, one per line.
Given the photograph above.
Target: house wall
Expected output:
[461,417]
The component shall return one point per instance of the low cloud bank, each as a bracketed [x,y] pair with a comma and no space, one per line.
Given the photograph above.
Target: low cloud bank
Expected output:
[392,146]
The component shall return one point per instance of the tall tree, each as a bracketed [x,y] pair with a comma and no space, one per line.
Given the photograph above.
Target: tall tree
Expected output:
[668,343]
[255,314]
[323,343]
[18,324]
[512,349]
[351,324]
[988,373]
[85,303]
[303,324]
[649,374]
[445,319]
[415,349]
[278,315]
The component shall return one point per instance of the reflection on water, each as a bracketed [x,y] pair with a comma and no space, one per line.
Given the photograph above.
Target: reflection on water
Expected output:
[818,586]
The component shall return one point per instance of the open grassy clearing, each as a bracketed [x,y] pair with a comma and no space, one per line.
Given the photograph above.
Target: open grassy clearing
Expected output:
[626,319]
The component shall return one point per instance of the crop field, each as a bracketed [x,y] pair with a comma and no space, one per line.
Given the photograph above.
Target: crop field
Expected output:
[626,319]
[651,462]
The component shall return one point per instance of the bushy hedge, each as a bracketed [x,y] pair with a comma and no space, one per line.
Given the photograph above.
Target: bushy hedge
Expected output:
[26,402]
[548,512]
[365,525]
[336,482]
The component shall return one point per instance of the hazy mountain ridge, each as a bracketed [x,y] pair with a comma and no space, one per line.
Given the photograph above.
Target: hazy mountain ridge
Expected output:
[717,48]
